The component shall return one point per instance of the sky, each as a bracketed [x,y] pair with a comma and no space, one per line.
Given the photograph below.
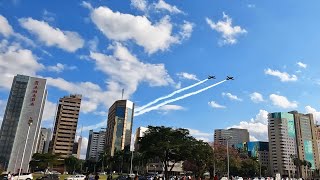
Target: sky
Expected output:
[155,49]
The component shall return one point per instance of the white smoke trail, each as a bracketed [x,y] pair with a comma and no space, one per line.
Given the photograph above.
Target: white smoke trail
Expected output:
[176,99]
[170,95]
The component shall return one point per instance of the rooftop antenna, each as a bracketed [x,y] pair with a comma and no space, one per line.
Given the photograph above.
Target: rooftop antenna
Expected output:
[122,94]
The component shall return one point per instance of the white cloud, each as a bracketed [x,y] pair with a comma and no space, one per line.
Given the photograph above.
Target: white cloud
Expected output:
[256,97]
[316,114]
[213,104]
[48,16]
[231,96]
[229,32]
[2,110]
[93,44]
[136,71]
[102,124]
[122,27]
[49,111]
[206,137]
[5,28]
[302,65]
[162,5]
[170,107]
[16,60]
[67,40]
[257,127]
[185,75]
[282,102]
[283,76]
[86,5]
[251,5]
[187,29]
[60,67]
[141,5]
[88,106]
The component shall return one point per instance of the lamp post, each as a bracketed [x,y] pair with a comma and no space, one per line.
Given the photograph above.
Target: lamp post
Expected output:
[228,163]
[131,163]
[25,145]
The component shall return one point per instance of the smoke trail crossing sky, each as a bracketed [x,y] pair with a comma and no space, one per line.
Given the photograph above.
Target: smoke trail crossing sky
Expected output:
[170,95]
[176,99]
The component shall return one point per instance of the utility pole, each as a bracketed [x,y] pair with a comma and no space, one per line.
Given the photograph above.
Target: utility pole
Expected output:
[25,146]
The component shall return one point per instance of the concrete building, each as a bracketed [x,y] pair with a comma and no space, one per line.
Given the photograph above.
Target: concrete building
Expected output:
[96,144]
[318,137]
[307,146]
[26,102]
[119,127]
[291,135]
[139,134]
[234,136]
[76,149]
[66,125]
[44,140]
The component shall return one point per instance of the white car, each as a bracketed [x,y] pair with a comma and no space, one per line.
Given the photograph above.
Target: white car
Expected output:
[76,177]
[23,176]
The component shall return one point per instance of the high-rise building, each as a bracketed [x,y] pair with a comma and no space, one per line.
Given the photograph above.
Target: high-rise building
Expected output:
[233,136]
[139,134]
[25,104]
[257,149]
[44,140]
[119,126]
[318,137]
[291,135]
[96,144]
[307,146]
[76,149]
[66,125]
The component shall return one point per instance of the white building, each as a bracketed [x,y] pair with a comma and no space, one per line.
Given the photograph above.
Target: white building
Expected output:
[25,104]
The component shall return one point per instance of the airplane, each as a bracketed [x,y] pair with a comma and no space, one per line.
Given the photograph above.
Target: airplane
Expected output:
[211,77]
[229,78]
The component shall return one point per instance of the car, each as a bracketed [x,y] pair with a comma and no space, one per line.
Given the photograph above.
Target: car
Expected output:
[224,178]
[4,177]
[49,177]
[131,175]
[23,176]
[38,172]
[76,177]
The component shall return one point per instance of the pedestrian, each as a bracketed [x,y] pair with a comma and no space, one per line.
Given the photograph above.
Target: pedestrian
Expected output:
[96,177]
[216,177]
[9,175]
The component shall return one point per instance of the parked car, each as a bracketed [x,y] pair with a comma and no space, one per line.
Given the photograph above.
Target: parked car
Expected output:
[23,176]
[76,177]
[49,177]
[4,177]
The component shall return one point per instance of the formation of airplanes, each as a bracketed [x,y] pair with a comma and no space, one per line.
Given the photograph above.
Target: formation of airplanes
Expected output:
[214,77]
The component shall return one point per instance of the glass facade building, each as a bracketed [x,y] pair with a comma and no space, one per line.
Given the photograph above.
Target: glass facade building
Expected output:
[119,127]
[26,102]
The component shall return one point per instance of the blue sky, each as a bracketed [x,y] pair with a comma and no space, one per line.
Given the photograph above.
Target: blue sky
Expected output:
[152,48]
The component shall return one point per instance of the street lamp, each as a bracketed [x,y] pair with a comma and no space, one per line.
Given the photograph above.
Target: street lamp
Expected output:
[227,139]
[25,146]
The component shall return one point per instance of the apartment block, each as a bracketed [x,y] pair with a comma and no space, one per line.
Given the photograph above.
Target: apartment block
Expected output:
[96,144]
[66,125]
[233,135]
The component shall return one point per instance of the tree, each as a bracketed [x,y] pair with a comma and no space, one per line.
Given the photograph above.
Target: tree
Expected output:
[199,161]
[168,144]
[44,161]
[72,164]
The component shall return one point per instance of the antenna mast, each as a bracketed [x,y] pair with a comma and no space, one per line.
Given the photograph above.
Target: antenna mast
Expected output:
[122,94]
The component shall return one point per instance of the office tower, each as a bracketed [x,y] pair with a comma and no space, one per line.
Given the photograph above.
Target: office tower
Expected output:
[22,115]
[291,135]
[96,144]
[119,127]
[66,125]
[139,134]
[76,149]
[256,149]
[233,135]
[282,143]
[307,146]
[318,137]
[44,140]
